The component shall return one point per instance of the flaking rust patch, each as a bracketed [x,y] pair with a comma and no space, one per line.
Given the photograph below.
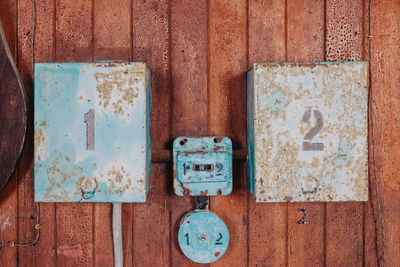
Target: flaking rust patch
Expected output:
[118,180]
[297,157]
[40,143]
[116,90]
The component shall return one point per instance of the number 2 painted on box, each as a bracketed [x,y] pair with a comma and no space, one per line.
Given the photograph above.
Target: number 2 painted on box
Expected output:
[89,120]
[307,145]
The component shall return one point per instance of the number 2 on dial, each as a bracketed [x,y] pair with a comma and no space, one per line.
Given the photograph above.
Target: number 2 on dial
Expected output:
[89,120]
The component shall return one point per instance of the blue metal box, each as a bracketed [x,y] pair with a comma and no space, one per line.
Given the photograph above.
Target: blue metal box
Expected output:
[92,132]
[202,166]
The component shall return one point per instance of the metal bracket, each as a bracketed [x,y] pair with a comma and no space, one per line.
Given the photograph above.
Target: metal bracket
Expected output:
[201,203]
[314,191]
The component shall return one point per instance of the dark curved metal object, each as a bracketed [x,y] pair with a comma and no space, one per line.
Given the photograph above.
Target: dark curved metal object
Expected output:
[12,112]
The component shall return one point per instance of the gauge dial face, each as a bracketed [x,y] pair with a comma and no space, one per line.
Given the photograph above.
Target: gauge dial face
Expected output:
[203,237]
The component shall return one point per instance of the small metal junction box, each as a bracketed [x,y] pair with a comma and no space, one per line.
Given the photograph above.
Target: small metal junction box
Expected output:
[92,132]
[307,131]
[202,166]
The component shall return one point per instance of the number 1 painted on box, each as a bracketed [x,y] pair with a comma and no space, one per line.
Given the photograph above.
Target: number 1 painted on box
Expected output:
[89,120]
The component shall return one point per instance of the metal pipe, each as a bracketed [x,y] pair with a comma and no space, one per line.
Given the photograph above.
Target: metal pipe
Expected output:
[165,155]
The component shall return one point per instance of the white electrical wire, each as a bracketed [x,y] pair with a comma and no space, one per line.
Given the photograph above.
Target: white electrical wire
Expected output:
[117,234]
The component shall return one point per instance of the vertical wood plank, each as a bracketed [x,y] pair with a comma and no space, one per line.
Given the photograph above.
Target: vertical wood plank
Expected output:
[74,31]
[44,51]
[74,220]
[386,107]
[9,196]
[344,221]
[152,219]
[267,223]
[9,222]
[112,38]
[26,206]
[112,30]
[189,96]
[306,43]
[227,114]
[43,253]
[370,225]
[8,15]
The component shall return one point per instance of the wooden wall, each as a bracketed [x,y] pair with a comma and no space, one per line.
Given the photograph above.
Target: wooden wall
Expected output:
[199,52]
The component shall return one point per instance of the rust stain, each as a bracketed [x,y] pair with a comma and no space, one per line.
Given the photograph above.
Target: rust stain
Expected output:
[118,180]
[186,153]
[117,82]
[186,191]
[203,193]
[288,198]
[217,139]
[39,143]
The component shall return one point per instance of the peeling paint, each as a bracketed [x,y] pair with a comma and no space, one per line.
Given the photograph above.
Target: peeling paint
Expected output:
[307,131]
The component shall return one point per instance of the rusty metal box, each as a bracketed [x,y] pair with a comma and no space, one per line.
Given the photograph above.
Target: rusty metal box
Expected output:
[202,166]
[307,131]
[92,135]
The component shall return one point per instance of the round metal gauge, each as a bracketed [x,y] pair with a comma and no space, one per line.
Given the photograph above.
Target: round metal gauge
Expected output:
[203,237]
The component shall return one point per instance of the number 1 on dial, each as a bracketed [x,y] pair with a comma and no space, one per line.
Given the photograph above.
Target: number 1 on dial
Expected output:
[89,120]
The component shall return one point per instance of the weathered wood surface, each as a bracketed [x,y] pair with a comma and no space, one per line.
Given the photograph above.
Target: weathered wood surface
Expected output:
[198,52]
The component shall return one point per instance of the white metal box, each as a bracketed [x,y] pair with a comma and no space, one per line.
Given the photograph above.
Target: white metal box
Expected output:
[307,131]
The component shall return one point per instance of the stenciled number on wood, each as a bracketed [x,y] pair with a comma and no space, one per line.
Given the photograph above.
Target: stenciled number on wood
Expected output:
[307,145]
[89,120]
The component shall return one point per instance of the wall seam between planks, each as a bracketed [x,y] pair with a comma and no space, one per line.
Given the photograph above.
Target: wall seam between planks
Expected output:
[286,204]
[325,58]
[286,30]
[208,76]
[16,169]
[93,205]
[364,203]
[245,164]
[168,167]
[54,57]
[33,89]
[170,111]
[208,116]
[131,32]
[132,210]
